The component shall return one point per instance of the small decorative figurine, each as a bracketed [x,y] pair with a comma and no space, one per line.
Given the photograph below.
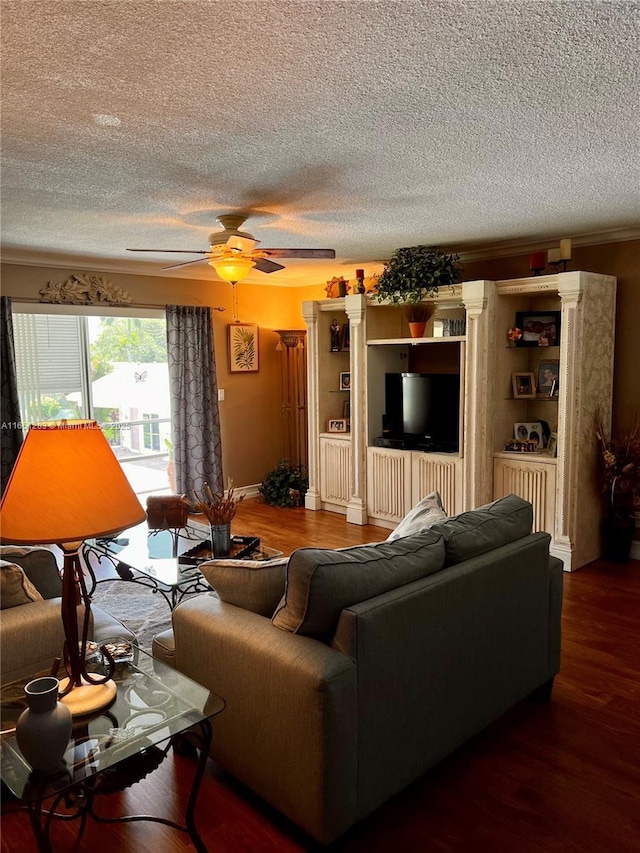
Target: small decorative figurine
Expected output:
[335,336]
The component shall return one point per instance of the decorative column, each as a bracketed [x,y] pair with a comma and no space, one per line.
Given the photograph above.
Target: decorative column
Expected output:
[479,300]
[312,499]
[357,505]
[588,323]
[294,394]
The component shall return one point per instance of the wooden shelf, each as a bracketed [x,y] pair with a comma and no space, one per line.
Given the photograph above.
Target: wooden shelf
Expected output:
[387,341]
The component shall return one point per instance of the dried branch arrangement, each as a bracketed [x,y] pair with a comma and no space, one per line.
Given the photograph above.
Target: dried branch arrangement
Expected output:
[218,507]
[620,469]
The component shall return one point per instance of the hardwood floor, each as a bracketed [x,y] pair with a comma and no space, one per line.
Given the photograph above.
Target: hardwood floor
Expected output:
[561,776]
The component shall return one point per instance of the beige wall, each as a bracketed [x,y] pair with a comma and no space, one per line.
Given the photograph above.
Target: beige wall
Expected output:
[250,415]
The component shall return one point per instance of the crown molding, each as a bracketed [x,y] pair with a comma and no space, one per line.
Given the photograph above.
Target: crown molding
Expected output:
[511,248]
[126,266]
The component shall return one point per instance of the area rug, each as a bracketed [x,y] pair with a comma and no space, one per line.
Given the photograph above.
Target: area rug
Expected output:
[144,612]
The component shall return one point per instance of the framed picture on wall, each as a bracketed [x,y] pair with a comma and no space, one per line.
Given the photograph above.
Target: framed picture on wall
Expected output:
[244,353]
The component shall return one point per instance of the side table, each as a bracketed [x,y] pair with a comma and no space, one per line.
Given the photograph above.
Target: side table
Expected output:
[155,707]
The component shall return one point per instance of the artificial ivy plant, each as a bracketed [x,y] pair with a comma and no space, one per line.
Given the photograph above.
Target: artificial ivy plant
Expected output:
[285,484]
[415,273]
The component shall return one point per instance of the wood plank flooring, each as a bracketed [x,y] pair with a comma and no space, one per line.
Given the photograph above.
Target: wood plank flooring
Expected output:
[562,776]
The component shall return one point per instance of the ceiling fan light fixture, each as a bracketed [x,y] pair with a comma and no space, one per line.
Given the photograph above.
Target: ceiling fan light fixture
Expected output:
[232,269]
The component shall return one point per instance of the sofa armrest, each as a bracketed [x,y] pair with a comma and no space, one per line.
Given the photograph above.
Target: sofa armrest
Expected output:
[31,635]
[289,729]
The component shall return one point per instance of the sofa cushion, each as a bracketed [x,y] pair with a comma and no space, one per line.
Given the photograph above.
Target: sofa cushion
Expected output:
[321,582]
[480,530]
[250,584]
[40,566]
[15,586]
[421,517]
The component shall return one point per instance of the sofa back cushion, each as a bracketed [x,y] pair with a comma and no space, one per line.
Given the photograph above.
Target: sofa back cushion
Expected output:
[321,582]
[250,584]
[39,565]
[480,530]
[15,586]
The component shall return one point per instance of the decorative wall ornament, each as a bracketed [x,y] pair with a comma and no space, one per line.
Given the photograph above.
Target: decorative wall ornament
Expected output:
[84,289]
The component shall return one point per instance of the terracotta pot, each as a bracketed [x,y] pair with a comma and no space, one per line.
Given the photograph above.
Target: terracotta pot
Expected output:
[416,330]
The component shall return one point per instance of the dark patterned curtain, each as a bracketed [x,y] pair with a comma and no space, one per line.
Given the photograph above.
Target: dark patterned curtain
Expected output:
[195,420]
[11,433]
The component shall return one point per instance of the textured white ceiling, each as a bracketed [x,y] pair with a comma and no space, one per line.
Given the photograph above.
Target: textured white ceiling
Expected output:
[359,125]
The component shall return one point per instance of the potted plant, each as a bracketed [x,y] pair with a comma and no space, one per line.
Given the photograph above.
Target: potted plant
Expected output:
[170,464]
[285,485]
[220,509]
[411,275]
[620,478]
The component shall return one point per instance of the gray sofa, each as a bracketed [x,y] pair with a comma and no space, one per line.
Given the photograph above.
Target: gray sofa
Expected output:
[373,669]
[31,634]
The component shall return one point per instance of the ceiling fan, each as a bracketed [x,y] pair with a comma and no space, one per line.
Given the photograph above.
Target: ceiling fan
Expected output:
[233,253]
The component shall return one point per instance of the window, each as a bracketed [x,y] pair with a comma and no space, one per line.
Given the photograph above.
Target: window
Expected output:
[151,431]
[74,363]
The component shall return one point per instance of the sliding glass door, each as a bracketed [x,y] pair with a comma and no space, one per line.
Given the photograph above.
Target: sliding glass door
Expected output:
[76,363]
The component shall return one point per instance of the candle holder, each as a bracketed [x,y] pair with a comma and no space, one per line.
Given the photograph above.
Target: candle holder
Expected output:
[537,262]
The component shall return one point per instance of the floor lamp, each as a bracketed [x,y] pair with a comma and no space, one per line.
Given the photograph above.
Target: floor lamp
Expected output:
[67,486]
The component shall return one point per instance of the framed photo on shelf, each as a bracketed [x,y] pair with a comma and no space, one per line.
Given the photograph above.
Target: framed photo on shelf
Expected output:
[243,348]
[345,339]
[548,380]
[338,425]
[345,382]
[529,432]
[524,386]
[539,328]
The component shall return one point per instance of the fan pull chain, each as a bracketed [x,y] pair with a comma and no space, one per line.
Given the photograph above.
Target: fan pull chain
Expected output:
[235,302]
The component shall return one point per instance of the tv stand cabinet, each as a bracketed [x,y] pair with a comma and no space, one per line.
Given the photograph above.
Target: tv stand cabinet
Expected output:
[378,485]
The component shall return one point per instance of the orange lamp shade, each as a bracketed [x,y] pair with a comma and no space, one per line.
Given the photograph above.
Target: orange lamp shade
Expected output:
[66,486]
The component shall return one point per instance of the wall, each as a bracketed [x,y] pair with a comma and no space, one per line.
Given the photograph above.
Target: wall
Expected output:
[250,415]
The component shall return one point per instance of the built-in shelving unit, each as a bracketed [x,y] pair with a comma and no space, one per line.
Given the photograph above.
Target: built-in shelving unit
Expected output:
[350,474]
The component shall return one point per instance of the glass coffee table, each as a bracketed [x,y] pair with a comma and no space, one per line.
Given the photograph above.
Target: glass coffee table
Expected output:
[155,707]
[162,560]
[152,558]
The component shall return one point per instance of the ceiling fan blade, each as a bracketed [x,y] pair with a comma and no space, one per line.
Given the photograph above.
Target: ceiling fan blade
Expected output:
[299,253]
[185,264]
[181,251]
[265,265]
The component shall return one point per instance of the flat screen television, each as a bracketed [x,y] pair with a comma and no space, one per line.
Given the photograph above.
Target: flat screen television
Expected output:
[422,410]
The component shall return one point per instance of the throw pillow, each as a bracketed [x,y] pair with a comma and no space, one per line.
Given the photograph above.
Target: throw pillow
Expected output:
[424,514]
[250,584]
[480,530]
[15,586]
[39,564]
[320,583]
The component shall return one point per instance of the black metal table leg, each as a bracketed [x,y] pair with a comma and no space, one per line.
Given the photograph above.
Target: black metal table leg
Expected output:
[205,743]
